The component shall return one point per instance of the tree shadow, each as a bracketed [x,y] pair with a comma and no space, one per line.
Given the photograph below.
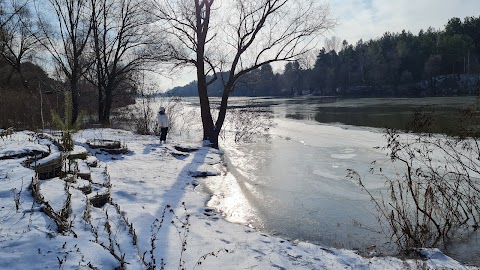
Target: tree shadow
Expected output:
[175,201]
[149,148]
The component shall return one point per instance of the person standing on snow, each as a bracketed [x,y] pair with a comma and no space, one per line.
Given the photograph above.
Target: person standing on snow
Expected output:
[162,119]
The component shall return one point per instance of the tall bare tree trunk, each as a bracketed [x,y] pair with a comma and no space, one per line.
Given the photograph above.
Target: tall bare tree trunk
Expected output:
[202,29]
[107,107]
[98,74]
[222,113]
[75,99]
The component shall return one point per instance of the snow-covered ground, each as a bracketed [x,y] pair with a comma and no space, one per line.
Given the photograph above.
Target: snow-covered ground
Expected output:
[158,214]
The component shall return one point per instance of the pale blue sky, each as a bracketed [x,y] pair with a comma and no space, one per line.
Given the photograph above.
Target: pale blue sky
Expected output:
[370,19]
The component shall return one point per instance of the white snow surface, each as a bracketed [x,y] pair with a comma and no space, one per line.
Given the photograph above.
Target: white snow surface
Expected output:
[19,144]
[143,182]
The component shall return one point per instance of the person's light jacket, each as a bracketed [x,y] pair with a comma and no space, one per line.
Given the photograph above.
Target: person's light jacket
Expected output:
[162,119]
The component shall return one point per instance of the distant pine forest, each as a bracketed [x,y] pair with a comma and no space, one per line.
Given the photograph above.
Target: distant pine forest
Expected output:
[433,63]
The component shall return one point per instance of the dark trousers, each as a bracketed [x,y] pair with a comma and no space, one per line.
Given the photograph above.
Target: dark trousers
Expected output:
[163,133]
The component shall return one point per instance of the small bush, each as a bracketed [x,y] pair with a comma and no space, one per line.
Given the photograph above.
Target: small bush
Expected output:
[65,124]
[438,192]
[249,122]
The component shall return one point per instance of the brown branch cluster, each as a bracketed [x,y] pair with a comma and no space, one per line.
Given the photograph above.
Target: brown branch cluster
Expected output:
[437,195]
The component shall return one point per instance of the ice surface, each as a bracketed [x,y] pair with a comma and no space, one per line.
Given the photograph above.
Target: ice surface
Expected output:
[297,183]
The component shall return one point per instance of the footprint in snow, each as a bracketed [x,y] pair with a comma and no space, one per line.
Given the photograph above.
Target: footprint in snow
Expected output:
[278,266]
[260,252]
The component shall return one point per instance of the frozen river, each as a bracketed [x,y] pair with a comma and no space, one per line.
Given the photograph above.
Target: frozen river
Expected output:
[296,184]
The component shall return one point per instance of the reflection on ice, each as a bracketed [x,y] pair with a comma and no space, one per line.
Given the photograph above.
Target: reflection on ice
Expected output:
[228,198]
[343,156]
[299,188]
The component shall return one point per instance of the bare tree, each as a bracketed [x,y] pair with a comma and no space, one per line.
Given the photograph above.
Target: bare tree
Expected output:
[236,37]
[7,13]
[18,36]
[333,44]
[123,44]
[68,41]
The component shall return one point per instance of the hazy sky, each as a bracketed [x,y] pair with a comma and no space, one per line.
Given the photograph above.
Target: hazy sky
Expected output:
[369,19]
[366,19]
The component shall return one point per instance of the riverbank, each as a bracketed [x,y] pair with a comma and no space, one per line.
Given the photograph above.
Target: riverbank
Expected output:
[145,181]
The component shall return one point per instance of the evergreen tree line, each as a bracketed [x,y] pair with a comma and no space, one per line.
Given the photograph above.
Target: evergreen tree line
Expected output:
[432,63]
